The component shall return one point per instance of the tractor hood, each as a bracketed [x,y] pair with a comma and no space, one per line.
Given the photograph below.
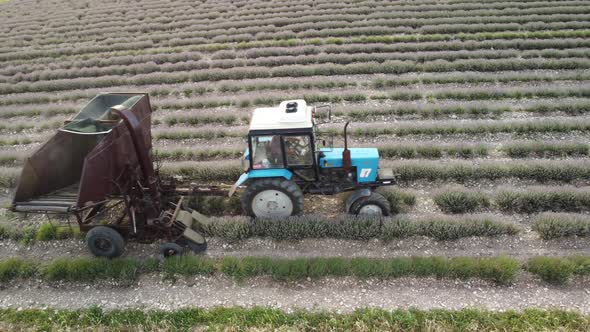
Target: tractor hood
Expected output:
[366,161]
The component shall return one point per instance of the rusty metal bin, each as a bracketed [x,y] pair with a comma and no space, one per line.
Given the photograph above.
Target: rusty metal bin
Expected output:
[83,162]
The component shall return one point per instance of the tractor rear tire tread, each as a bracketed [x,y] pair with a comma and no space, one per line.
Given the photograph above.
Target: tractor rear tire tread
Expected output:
[374,199]
[288,187]
[111,236]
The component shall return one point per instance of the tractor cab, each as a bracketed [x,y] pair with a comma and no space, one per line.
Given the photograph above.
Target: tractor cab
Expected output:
[282,139]
[283,162]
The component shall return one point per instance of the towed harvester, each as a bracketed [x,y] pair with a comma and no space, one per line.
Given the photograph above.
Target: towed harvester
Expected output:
[99,168]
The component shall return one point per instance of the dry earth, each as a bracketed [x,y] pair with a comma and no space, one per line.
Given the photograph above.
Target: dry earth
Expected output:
[522,247]
[342,295]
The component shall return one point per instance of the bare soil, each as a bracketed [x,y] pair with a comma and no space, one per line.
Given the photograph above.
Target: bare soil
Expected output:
[342,295]
[521,246]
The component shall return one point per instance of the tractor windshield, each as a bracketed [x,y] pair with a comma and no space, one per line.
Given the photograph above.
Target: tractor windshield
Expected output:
[267,152]
[298,150]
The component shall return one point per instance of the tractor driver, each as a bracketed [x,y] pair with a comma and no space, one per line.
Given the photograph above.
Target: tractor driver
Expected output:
[268,151]
[297,150]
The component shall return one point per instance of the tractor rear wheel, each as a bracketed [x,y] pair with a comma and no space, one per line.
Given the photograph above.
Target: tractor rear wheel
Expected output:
[105,242]
[272,198]
[373,205]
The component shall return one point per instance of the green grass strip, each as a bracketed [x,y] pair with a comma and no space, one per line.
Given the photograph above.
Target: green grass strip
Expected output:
[183,154]
[45,232]
[558,270]
[450,128]
[406,151]
[545,150]
[91,269]
[130,50]
[433,151]
[473,111]
[426,112]
[326,69]
[460,200]
[540,171]
[531,201]
[16,141]
[409,95]
[357,228]
[399,201]
[263,319]
[501,270]
[515,127]
[237,228]
[381,83]
[461,172]
[556,225]
[206,174]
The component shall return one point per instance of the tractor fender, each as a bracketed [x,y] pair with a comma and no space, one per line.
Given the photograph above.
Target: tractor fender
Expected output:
[261,174]
[363,192]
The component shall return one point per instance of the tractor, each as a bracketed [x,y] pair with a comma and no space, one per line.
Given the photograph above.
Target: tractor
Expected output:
[283,162]
[99,168]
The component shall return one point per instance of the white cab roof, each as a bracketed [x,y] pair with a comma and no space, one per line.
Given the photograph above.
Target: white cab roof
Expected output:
[278,118]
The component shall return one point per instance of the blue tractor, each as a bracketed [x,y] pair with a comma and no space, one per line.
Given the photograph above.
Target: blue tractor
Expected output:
[283,162]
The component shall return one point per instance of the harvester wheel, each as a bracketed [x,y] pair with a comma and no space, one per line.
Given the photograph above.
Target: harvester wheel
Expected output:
[171,249]
[374,204]
[197,248]
[272,198]
[105,242]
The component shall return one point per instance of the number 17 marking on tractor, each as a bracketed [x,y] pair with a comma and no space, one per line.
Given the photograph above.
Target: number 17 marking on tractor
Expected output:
[365,172]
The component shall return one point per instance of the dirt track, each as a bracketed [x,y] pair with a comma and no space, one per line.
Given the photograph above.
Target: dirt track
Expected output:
[342,295]
[346,294]
[521,246]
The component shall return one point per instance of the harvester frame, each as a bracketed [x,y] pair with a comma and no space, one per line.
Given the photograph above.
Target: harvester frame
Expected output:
[99,168]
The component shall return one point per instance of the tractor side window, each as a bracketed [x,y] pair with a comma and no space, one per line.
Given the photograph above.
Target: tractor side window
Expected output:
[298,150]
[266,152]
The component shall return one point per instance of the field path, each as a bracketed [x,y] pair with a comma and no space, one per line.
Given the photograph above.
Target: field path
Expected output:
[521,246]
[342,295]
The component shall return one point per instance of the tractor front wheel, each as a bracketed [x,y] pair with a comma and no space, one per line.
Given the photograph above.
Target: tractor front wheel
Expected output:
[105,242]
[272,198]
[373,205]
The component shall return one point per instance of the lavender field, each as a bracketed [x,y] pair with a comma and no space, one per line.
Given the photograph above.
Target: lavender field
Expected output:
[482,108]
